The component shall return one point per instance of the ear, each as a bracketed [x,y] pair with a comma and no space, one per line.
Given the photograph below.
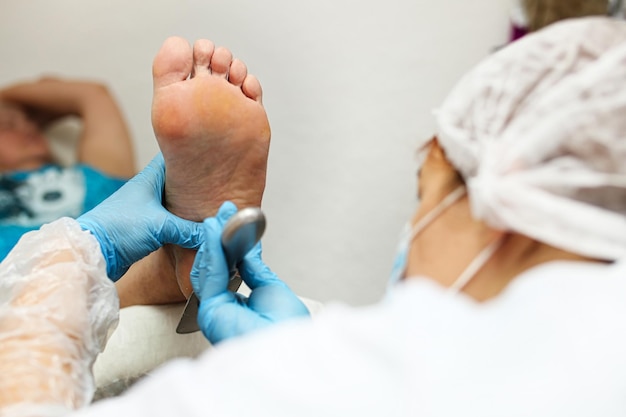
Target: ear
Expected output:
[442,175]
[438,153]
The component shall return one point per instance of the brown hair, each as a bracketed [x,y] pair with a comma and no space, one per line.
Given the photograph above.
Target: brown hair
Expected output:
[541,13]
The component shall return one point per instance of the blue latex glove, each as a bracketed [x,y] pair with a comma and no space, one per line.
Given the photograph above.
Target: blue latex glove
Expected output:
[132,222]
[224,314]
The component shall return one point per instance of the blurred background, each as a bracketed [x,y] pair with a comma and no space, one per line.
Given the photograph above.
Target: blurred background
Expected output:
[349,87]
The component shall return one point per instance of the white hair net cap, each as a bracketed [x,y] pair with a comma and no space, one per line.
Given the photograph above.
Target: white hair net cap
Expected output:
[538,131]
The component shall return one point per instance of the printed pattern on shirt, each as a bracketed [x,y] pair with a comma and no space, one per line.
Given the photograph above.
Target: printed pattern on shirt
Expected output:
[42,196]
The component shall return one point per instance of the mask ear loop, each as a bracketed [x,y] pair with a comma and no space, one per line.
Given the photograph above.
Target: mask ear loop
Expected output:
[478,262]
[450,199]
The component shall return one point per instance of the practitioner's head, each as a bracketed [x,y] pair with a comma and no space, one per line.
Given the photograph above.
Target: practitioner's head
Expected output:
[536,135]
[541,13]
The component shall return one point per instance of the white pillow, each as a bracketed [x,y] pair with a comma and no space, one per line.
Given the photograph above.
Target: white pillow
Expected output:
[146,338]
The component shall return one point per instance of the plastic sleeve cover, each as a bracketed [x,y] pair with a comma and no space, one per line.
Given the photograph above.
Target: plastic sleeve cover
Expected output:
[57,310]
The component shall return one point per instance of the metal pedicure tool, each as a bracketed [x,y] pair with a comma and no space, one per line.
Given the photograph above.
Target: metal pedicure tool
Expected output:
[241,232]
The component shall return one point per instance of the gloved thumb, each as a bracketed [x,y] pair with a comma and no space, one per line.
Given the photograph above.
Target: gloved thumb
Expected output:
[254,272]
[177,231]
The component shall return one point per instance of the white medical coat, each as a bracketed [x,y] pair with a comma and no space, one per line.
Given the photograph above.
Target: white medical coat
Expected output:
[552,344]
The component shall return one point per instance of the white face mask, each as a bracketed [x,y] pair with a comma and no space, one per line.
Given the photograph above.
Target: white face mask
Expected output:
[410,233]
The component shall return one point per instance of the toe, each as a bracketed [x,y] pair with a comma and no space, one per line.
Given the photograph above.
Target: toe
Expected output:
[172,63]
[220,62]
[251,87]
[202,53]
[237,72]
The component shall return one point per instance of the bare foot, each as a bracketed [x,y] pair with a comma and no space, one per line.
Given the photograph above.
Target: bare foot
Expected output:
[213,131]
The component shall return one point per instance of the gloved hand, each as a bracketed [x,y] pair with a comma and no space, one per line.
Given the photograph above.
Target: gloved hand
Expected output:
[132,222]
[224,314]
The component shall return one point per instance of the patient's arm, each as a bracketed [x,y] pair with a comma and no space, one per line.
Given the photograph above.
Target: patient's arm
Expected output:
[56,309]
[105,142]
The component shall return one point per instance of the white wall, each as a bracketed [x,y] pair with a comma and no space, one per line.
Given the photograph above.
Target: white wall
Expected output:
[349,88]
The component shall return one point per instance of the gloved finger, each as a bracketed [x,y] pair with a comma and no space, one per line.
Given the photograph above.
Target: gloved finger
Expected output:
[254,272]
[155,170]
[177,231]
[198,272]
[209,274]
[270,296]
[225,212]
[153,175]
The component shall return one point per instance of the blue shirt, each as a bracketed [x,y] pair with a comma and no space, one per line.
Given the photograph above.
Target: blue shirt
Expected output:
[28,199]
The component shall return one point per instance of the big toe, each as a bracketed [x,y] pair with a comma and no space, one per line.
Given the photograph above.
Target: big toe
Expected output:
[173,62]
